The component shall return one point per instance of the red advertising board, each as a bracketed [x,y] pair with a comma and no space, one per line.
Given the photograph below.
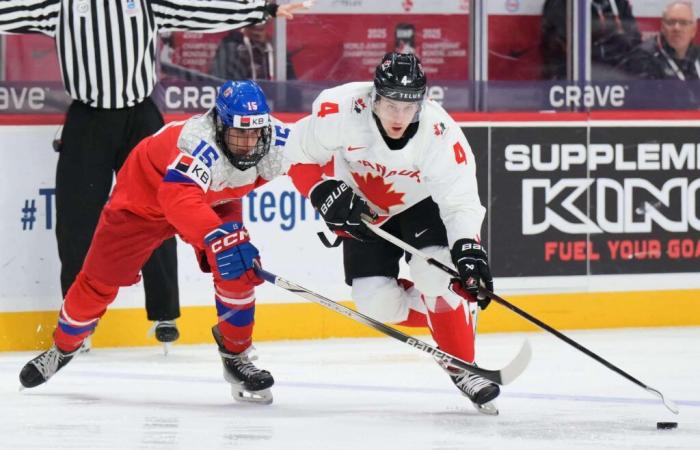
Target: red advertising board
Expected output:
[341,47]
[31,58]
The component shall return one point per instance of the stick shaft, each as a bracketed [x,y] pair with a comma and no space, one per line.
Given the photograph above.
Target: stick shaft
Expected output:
[529,317]
[497,376]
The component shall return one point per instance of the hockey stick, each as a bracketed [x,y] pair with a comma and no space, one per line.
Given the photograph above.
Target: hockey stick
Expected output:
[503,376]
[486,293]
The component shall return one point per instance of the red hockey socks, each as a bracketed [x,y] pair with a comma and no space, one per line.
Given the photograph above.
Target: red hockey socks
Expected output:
[86,301]
[236,312]
[452,329]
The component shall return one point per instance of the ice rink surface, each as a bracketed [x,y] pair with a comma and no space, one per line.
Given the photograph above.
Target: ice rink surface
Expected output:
[363,394]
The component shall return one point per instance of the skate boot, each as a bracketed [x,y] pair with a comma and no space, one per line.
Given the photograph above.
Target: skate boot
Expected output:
[479,390]
[165,332]
[248,383]
[40,369]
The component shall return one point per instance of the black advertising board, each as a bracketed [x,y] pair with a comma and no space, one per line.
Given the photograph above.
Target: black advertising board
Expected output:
[478,138]
[528,186]
[644,201]
[578,199]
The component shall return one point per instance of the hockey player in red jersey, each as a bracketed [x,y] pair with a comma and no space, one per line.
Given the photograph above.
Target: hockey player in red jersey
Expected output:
[187,179]
[382,148]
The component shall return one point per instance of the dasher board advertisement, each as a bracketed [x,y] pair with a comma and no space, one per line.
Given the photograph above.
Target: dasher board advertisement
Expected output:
[577,200]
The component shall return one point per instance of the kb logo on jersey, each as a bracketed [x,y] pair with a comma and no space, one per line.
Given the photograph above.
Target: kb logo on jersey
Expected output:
[251,121]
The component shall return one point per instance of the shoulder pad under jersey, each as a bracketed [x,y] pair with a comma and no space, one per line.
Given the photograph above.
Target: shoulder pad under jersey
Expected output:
[346,99]
[273,164]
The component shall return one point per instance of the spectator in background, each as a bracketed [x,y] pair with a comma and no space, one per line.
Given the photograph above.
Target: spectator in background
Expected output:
[671,54]
[614,34]
[107,56]
[553,40]
[247,55]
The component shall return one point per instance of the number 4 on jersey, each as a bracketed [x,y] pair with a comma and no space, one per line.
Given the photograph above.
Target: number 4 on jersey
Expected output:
[460,155]
[328,108]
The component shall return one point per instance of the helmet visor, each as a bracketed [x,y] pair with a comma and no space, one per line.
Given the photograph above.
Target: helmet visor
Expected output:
[394,113]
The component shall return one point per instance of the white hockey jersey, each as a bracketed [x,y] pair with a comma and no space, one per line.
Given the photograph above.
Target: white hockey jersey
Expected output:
[436,162]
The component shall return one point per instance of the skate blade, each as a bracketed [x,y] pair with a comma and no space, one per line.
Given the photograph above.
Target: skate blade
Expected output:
[488,408]
[261,397]
[166,348]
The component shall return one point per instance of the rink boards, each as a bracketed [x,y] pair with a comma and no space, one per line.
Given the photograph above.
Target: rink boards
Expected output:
[591,224]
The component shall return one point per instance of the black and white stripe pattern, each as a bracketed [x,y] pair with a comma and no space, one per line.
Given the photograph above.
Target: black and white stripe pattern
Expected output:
[107,48]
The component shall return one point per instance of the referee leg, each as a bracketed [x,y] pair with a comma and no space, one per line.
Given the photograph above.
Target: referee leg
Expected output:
[160,271]
[83,182]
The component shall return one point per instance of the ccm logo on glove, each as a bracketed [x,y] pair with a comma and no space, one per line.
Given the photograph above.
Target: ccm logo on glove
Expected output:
[230,240]
[229,251]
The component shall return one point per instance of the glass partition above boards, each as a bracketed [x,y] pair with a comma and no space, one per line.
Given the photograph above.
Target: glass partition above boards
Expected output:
[538,55]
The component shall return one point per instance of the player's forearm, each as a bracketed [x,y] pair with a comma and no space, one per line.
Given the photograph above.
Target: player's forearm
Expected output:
[305,177]
[460,209]
[186,210]
[463,223]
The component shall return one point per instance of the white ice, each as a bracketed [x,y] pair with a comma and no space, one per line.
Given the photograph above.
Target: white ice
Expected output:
[363,394]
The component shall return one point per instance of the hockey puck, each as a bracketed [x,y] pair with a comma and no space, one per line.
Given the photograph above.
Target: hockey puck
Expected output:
[666,425]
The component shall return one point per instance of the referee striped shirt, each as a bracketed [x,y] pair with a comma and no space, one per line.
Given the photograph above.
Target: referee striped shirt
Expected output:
[107,48]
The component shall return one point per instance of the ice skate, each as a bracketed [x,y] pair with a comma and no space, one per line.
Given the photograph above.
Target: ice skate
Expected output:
[40,369]
[166,332]
[248,383]
[479,390]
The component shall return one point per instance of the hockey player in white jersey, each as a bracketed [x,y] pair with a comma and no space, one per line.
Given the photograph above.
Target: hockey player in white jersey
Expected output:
[385,151]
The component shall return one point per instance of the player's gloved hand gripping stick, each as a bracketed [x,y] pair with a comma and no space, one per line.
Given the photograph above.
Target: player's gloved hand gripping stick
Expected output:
[230,252]
[342,210]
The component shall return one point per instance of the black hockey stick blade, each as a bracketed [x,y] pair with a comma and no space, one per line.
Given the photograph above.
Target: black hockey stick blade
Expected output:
[328,244]
[525,315]
[503,376]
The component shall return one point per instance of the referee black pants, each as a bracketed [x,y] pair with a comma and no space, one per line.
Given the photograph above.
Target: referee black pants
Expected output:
[94,145]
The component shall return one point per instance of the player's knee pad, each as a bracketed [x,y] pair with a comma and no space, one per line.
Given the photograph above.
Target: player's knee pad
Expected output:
[431,281]
[380,298]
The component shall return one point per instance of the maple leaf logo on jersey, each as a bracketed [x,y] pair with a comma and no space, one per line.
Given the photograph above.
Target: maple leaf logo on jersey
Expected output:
[377,191]
[359,105]
[439,128]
